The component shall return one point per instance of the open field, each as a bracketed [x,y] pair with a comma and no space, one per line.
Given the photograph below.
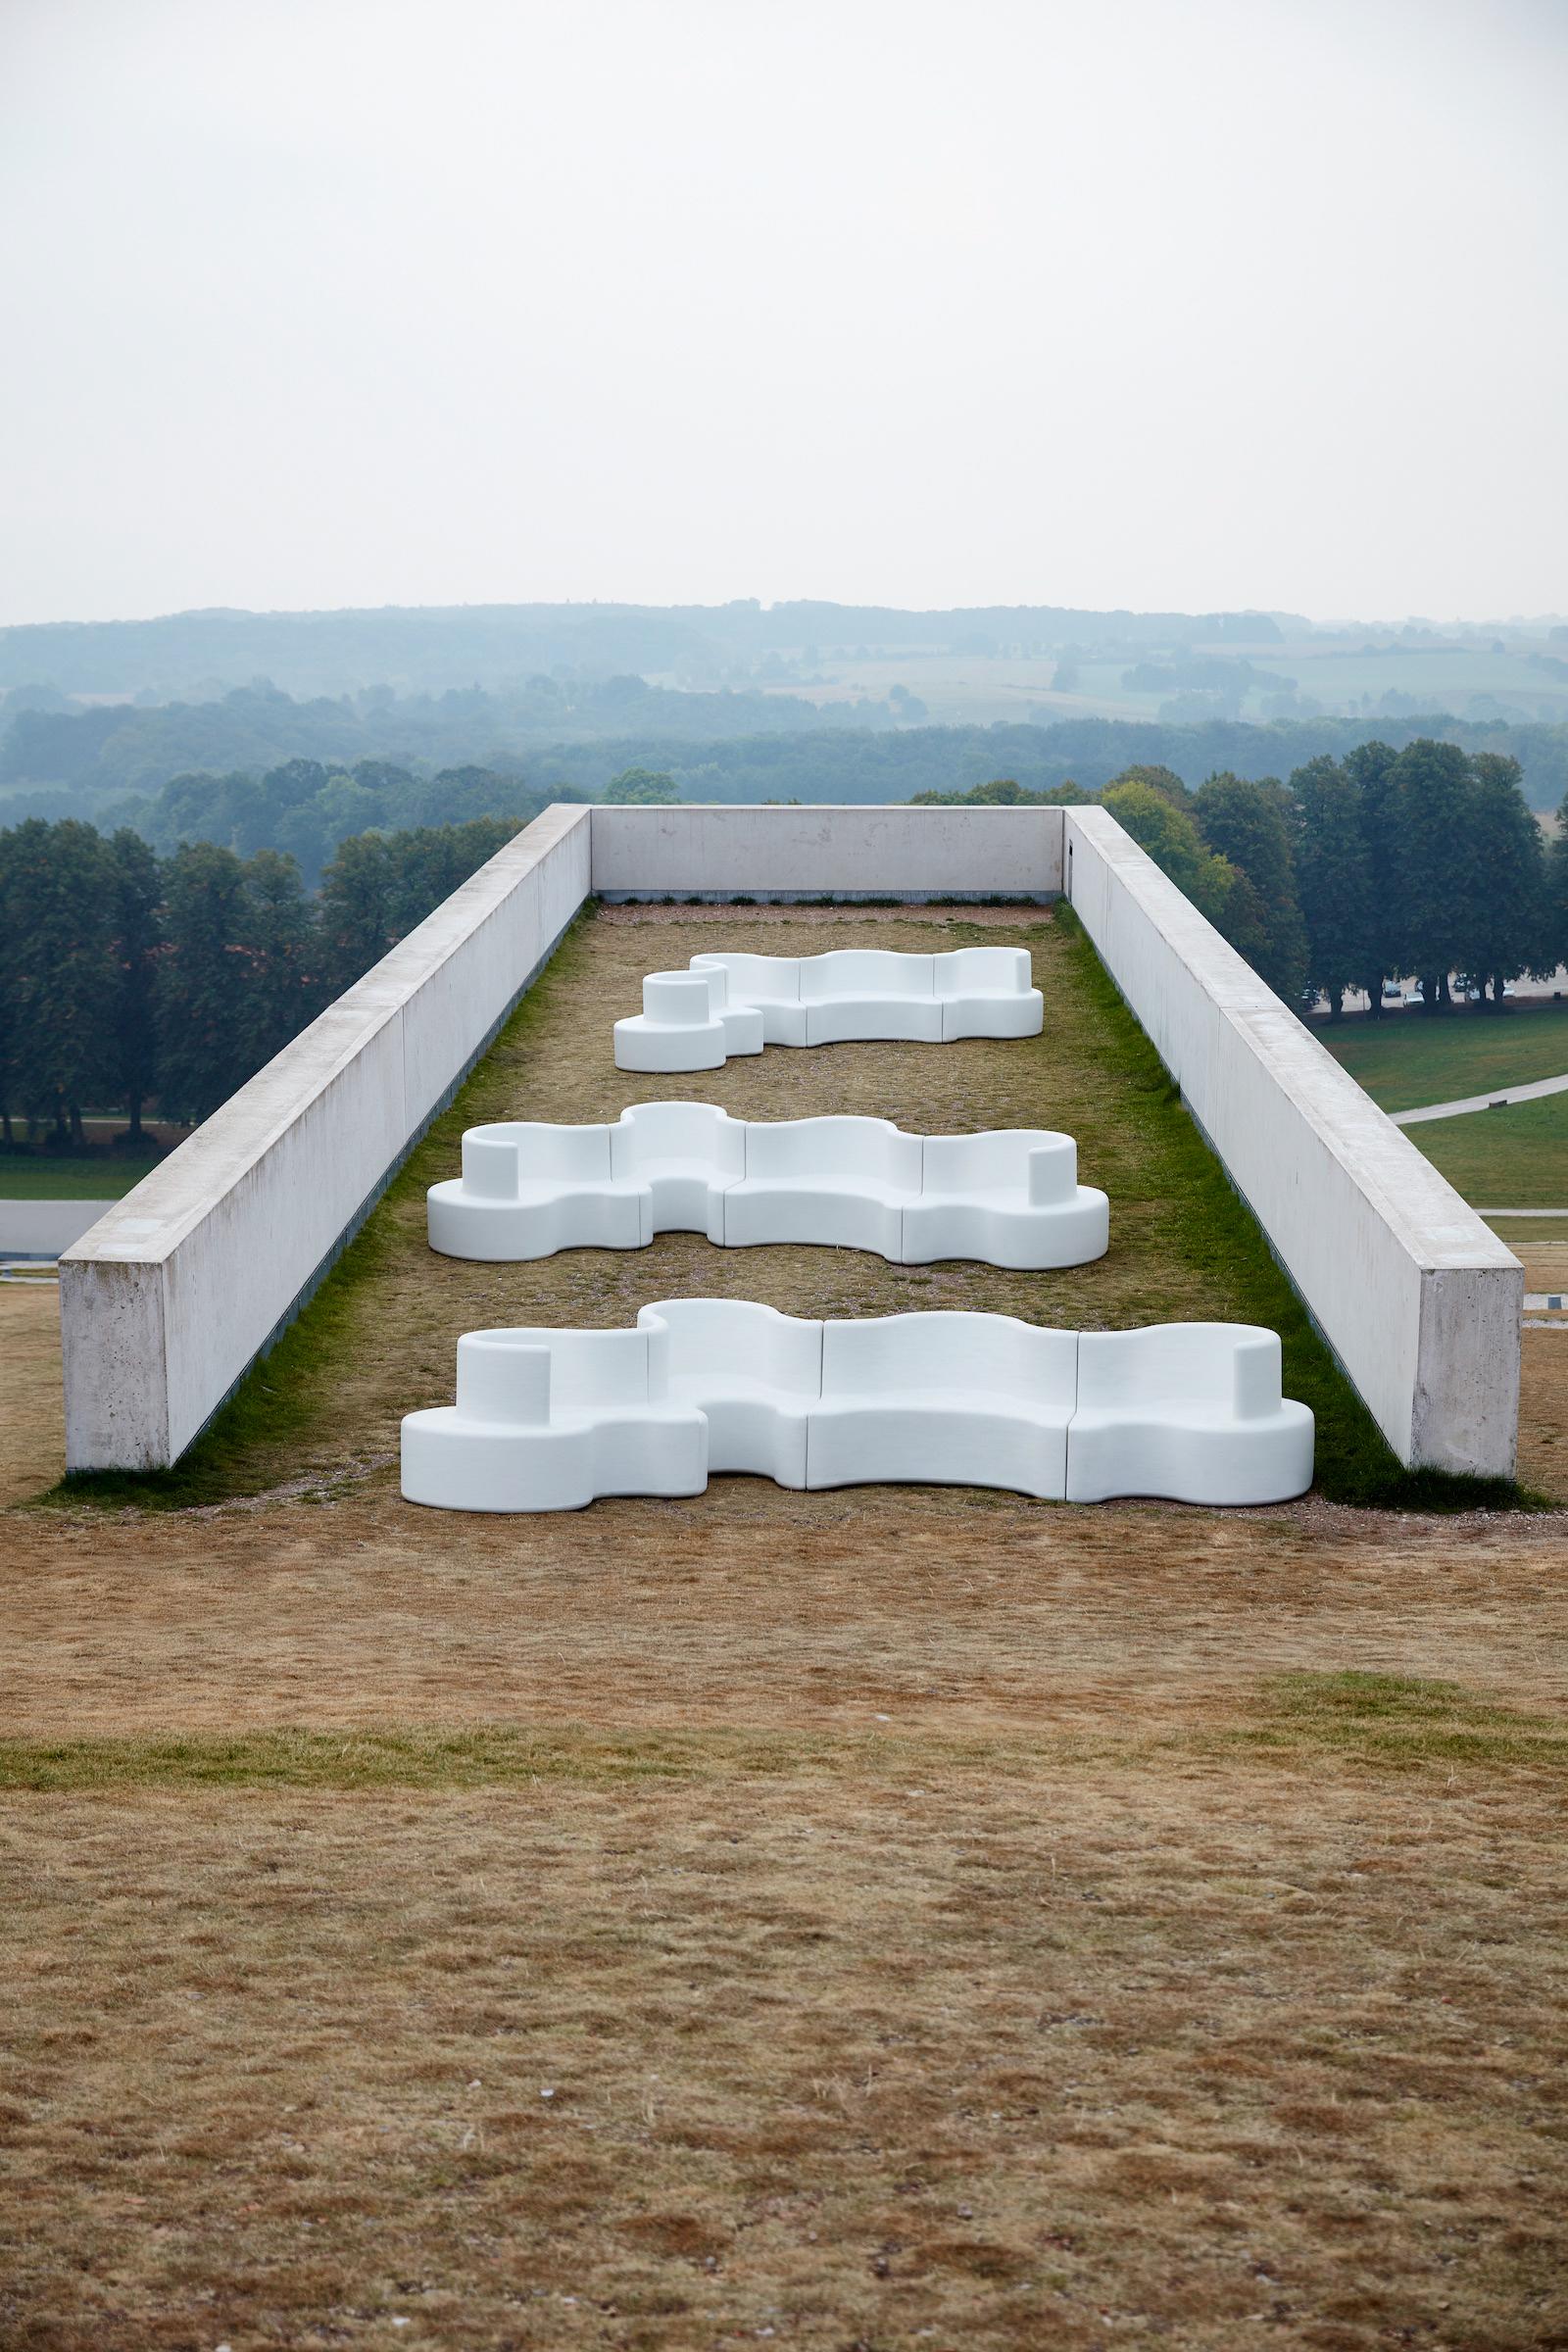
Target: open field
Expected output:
[655,1929]
[52,1176]
[865,1920]
[1515,1158]
[1408,1059]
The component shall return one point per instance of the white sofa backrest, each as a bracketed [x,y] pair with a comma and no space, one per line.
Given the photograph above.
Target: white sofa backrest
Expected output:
[874,1150]
[754,979]
[1032,1160]
[505,1375]
[965,970]
[866,972]
[490,1161]
[739,1338]
[581,1370]
[549,1154]
[687,1131]
[953,1351]
[1235,1367]
[684,1000]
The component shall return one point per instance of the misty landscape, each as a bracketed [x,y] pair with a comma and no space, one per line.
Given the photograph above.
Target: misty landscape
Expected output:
[783,1176]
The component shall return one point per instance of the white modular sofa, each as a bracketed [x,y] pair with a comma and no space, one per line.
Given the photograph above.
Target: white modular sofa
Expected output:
[752,1001]
[1010,1198]
[546,1420]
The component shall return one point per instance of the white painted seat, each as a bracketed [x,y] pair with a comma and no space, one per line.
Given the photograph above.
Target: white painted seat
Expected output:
[755,1375]
[824,999]
[546,1420]
[685,1025]
[837,1181]
[870,992]
[769,984]
[1192,1412]
[945,1398]
[1010,1198]
[528,1190]
[987,992]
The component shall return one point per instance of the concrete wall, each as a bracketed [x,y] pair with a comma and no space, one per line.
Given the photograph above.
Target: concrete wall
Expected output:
[841,853]
[172,1294]
[43,1228]
[1418,1299]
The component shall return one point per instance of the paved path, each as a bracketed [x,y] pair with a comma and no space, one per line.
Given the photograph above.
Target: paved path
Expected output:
[1521,1213]
[1508,1094]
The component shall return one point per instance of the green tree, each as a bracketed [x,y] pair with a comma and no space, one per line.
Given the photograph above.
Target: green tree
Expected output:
[1163,780]
[1433,874]
[380,885]
[1173,841]
[1332,879]
[641,788]
[1370,769]
[1554,939]
[203,1027]
[1004,793]
[1504,931]
[135,939]
[1247,825]
[57,971]
[282,989]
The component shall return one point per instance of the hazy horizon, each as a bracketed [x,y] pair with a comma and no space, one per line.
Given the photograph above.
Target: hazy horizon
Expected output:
[1239,308]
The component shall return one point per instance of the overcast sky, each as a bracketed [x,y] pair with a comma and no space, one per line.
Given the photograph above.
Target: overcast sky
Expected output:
[1157,303]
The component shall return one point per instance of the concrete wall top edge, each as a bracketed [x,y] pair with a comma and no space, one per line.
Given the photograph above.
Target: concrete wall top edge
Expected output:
[1439,1229]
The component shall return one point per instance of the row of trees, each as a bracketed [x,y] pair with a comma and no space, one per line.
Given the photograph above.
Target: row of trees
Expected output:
[1385,863]
[126,977]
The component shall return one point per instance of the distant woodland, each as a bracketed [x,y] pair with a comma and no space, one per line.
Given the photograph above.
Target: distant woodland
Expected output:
[133,974]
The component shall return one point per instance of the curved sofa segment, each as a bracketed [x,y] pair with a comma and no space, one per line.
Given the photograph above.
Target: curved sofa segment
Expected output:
[547,1420]
[1010,1198]
[849,993]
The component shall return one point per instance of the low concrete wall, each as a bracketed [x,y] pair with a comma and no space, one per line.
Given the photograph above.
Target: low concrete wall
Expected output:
[834,852]
[43,1228]
[1417,1297]
[173,1294]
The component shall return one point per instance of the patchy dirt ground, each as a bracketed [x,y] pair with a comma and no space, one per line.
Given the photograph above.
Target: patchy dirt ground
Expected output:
[862,1922]
[32,1421]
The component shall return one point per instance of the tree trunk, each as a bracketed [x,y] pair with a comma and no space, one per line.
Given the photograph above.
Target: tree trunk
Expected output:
[134,1129]
[1336,1003]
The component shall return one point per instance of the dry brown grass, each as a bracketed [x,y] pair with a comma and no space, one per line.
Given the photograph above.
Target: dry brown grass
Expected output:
[32,1420]
[1036,2054]
[939,1920]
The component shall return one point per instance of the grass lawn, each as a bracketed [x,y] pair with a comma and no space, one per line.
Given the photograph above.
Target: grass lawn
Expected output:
[1516,1158]
[39,1176]
[1408,1059]
[379,1338]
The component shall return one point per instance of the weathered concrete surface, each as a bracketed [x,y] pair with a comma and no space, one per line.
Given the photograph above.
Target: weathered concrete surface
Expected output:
[1418,1299]
[43,1228]
[831,852]
[173,1293]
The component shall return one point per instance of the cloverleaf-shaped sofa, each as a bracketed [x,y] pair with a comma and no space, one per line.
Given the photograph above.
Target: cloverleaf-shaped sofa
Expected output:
[724,1005]
[547,1420]
[1010,1198]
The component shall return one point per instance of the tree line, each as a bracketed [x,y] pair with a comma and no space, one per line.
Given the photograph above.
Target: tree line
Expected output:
[237,764]
[128,978]
[1355,871]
